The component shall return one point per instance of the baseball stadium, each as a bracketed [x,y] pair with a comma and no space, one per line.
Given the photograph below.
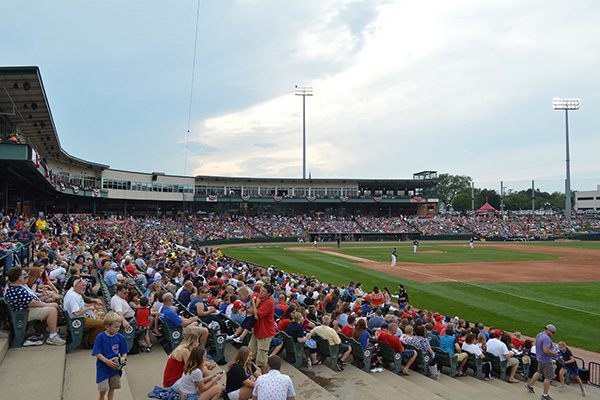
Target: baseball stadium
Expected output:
[335,251]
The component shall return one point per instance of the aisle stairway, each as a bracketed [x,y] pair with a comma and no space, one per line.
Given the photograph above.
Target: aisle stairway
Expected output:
[45,371]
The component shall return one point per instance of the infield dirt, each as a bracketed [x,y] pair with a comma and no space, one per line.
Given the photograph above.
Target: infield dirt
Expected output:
[574,265]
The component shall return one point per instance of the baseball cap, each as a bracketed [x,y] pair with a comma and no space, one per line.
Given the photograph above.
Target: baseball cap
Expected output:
[238,304]
[439,318]
[498,332]
[54,244]
[114,266]
[385,325]
[551,328]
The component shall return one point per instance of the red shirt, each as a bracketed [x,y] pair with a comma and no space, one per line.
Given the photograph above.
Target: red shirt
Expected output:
[347,330]
[440,328]
[142,317]
[283,323]
[377,298]
[393,341]
[173,371]
[131,270]
[264,326]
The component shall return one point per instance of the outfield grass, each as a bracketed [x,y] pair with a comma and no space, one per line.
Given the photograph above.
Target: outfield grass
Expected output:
[526,307]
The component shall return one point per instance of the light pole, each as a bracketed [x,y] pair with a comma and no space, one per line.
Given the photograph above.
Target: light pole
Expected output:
[302,90]
[567,104]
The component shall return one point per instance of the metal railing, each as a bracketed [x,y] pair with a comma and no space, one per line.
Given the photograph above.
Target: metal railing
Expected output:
[594,368]
[21,256]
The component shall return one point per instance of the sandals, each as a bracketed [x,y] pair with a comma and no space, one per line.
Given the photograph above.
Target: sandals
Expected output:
[318,363]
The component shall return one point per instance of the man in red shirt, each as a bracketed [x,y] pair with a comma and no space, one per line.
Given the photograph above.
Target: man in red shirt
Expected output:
[264,328]
[389,337]
[439,326]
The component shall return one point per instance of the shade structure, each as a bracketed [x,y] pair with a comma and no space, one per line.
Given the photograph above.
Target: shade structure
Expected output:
[487,209]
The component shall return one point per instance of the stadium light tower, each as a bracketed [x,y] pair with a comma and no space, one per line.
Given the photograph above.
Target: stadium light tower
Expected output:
[302,90]
[567,104]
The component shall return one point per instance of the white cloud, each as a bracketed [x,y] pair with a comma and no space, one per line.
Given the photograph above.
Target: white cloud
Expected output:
[457,86]
[424,79]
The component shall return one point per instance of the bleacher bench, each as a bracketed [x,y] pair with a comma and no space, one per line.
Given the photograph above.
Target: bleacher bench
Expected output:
[497,365]
[360,356]
[325,350]
[446,360]
[74,329]
[391,359]
[18,324]
[422,360]
[170,338]
[293,350]
[476,364]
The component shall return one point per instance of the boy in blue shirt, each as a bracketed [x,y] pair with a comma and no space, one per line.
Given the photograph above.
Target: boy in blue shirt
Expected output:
[109,345]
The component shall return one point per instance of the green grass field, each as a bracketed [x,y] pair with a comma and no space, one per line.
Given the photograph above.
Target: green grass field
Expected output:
[572,307]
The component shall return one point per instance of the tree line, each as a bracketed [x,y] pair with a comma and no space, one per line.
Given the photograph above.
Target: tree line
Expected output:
[455,191]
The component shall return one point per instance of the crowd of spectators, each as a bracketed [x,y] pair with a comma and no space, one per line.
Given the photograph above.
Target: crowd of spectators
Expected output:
[130,253]
[204,228]
[330,224]
[385,224]
[277,226]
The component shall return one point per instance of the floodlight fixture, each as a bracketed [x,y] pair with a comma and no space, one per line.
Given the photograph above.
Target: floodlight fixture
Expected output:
[567,104]
[303,90]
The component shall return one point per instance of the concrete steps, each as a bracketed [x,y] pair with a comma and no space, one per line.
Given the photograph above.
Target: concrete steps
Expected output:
[47,371]
[4,345]
[446,387]
[405,387]
[80,377]
[145,370]
[33,372]
[351,384]
[518,390]
[304,385]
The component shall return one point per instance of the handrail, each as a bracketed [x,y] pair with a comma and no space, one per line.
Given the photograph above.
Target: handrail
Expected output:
[594,368]
[18,250]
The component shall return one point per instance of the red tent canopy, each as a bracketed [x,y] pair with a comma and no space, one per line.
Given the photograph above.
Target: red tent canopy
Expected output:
[487,209]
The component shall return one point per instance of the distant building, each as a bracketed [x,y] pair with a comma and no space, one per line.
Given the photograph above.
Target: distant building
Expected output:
[588,200]
[37,174]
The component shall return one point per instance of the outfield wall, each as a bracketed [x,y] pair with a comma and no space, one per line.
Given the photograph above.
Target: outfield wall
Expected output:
[386,237]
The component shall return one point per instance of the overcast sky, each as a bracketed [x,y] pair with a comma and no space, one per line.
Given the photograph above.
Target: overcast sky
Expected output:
[463,87]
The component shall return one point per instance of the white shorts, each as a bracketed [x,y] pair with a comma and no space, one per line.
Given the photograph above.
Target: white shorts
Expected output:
[235,395]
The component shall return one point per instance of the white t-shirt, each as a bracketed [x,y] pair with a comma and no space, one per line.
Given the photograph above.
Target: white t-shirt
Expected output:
[472,348]
[73,302]
[188,382]
[118,304]
[497,348]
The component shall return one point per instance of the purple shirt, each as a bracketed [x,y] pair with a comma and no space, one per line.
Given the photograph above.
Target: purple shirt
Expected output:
[541,340]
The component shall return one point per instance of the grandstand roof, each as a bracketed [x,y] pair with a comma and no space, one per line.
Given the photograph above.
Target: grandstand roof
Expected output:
[362,183]
[23,101]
